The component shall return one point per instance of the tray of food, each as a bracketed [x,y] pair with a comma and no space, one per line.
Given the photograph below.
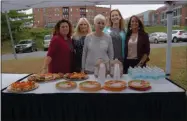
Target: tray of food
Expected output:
[76,76]
[90,86]
[23,86]
[45,77]
[66,85]
[115,85]
[140,85]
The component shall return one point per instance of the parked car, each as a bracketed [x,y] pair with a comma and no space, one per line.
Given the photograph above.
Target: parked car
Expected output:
[179,35]
[157,37]
[47,40]
[26,46]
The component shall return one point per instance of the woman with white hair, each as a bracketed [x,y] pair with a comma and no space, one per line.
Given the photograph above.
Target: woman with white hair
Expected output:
[82,29]
[98,45]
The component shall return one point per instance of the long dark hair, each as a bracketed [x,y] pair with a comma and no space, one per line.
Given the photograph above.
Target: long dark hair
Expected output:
[140,29]
[57,27]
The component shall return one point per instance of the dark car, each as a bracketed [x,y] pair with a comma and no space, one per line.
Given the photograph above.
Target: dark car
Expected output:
[26,46]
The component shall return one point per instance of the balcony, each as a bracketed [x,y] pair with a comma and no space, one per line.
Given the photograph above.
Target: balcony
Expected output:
[82,10]
[65,10]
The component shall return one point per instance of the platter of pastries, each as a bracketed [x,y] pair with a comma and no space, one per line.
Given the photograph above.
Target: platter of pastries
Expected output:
[66,85]
[140,85]
[23,86]
[115,85]
[45,77]
[76,76]
[90,86]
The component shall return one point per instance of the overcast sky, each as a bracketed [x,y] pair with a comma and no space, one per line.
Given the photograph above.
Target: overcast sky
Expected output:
[129,10]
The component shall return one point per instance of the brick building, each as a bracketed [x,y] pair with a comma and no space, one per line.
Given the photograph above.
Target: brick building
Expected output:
[159,18]
[47,17]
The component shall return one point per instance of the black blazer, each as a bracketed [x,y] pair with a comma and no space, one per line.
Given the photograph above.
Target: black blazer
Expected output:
[143,45]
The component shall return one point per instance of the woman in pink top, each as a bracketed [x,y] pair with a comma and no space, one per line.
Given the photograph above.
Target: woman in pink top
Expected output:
[137,45]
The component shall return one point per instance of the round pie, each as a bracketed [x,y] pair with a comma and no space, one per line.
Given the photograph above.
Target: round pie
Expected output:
[76,76]
[90,86]
[115,85]
[22,86]
[139,85]
[66,85]
[45,77]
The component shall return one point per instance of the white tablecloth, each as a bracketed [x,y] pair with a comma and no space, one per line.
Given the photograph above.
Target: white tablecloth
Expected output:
[7,79]
[161,85]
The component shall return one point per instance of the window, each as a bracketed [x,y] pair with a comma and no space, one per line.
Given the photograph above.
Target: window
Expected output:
[25,42]
[71,10]
[56,9]
[178,20]
[162,15]
[174,32]
[47,37]
[65,9]
[153,34]
[180,11]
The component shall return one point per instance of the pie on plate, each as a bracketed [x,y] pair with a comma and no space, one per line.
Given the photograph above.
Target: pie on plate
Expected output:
[114,85]
[76,76]
[140,85]
[45,77]
[90,86]
[66,85]
[23,86]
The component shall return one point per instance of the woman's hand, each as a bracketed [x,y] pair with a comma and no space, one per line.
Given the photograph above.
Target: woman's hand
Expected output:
[140,64]
[82,71]
[143,60]
[43,71]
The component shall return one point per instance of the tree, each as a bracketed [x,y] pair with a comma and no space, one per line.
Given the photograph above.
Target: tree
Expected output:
[17,21]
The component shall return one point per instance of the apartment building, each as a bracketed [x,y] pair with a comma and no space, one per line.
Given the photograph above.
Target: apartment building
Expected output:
[48,17]
[159,17]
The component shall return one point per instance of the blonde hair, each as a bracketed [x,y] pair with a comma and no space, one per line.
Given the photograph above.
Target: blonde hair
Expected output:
[122,22]
[99,17]
[77,29]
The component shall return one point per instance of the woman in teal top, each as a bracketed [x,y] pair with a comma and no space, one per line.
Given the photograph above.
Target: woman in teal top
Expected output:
[117,32]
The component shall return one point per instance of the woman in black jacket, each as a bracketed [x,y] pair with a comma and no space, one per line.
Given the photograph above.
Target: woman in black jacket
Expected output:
[137,45]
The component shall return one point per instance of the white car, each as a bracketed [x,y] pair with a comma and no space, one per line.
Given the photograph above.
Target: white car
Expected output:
[179,35]
[47,40]
[157,37]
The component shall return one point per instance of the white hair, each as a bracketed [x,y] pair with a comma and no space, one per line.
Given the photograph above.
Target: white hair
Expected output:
[99,17]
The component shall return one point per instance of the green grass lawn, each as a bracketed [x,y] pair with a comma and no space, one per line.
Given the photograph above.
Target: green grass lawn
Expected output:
[6,47]
[160,29]
[178,63]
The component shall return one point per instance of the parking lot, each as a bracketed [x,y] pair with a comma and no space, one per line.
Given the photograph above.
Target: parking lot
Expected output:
[43,53]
